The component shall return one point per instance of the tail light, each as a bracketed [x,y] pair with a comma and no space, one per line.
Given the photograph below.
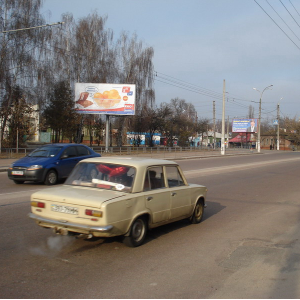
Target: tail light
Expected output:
[38,204]
[93,213]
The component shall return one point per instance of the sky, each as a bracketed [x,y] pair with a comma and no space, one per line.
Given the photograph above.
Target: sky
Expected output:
[202,45]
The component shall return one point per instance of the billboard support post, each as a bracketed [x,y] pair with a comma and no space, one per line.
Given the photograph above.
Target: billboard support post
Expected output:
[107,133]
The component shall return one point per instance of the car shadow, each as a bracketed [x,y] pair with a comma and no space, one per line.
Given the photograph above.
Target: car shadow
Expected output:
[212,209]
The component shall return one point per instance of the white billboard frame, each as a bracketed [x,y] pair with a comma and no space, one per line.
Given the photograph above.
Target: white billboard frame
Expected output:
[105,98]
[245,125]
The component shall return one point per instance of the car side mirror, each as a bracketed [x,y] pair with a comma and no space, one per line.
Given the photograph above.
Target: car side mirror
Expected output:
[64,156]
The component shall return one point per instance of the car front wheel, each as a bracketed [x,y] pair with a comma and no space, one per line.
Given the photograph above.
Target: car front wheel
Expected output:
[137,233]
[198,213]
[51,178]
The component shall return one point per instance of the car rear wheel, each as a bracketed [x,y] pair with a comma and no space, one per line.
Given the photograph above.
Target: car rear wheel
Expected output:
[51,178]
[137,233]
[18,181]
[198,213]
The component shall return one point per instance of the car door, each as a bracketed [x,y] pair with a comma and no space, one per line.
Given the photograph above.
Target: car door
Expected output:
[179,193]
[156,195]
[68,161]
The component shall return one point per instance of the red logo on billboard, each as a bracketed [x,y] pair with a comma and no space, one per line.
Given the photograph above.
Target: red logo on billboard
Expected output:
[125,98]
[129,106]
[126,89]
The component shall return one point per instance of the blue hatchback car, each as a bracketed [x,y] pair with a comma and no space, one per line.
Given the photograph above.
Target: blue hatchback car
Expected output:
[49,163]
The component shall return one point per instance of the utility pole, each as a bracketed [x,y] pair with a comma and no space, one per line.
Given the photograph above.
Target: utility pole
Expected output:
[223,123]
[278,138]
[227,144]
[207,136]
[214,118]
[259,116]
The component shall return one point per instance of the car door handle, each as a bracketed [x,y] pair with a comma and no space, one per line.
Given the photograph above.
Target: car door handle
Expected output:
[149,198]
[173,194]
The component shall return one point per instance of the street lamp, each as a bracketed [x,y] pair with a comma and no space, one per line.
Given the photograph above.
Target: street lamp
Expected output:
[259,118]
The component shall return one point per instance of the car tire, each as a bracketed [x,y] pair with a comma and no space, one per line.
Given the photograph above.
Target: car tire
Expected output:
[137,233]
[18,181]
[198,212]
[51,178]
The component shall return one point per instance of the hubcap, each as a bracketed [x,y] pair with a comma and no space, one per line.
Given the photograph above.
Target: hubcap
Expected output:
[52,177]
[138,230]
[198,212]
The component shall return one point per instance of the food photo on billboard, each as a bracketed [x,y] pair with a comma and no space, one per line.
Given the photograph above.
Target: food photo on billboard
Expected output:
[105,98]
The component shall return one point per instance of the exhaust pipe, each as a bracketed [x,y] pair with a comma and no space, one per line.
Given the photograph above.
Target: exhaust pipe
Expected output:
[61,231]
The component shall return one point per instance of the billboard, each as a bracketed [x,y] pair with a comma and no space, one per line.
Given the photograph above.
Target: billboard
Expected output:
[105,98]
[244,125]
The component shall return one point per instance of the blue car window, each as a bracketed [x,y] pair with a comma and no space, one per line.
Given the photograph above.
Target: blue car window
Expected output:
[45,152]
[82,151]
[70,152]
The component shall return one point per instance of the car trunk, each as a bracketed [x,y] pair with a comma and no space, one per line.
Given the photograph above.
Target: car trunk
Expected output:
[75,195]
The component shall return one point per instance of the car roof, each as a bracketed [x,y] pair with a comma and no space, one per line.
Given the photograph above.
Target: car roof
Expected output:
[61,145]
[132,161]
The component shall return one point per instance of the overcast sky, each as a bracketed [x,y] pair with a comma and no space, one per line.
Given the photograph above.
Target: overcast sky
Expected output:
[200,43]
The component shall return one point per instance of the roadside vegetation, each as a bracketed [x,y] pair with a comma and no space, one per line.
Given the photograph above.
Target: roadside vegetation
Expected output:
[40,67]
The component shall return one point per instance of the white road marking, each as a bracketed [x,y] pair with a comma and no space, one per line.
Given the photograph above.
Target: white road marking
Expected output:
[240,167]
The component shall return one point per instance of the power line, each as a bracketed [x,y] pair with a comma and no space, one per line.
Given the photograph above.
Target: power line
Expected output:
[277,24]
[192,87]
[294,8]
[283,20]
[289,13]
[21,29]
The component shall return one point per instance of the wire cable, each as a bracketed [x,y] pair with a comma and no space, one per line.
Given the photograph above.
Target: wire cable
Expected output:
[289,13]
[277,24]
[283,21]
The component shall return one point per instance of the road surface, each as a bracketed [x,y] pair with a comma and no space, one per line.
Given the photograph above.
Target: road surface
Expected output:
[247,246]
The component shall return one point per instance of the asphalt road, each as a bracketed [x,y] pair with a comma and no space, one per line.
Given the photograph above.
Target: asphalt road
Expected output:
[248,245]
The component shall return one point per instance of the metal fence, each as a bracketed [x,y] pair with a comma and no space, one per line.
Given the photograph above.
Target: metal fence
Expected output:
[162,152]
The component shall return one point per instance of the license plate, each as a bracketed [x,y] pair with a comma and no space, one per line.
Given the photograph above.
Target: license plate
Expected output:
[17,173]
[64,209]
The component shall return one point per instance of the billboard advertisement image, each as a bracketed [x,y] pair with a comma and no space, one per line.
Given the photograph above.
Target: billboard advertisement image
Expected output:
[244,125]
[105,98]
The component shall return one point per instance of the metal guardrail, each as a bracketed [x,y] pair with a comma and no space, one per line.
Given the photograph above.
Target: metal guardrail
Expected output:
[162,152]
[132,151]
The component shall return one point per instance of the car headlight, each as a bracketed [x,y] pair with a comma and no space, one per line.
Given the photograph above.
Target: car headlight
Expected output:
[35,167]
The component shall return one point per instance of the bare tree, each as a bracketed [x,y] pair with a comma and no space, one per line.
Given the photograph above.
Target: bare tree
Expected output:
[251,112]
[21,52]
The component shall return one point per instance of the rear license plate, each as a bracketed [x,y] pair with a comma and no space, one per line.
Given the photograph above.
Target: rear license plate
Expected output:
[17,173]
[64,209]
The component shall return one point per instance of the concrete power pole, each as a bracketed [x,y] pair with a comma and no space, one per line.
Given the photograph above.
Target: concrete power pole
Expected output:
[223,123]
[227,144]
[278,138]
[214,117]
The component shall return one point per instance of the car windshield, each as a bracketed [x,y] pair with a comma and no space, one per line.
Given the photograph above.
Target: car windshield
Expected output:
[103,176]
[45,152]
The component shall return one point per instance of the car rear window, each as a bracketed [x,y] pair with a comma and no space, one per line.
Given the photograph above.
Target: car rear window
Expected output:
[82,151]
[103,176]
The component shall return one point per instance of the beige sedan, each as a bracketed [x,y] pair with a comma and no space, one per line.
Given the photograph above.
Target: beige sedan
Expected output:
[105,197]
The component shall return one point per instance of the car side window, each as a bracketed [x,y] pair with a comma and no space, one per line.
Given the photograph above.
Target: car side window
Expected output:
[82,151]
[174,176]
[69,152]
[154,179]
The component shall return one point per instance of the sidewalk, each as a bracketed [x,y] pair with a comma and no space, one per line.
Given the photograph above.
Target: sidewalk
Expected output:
[6,162]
